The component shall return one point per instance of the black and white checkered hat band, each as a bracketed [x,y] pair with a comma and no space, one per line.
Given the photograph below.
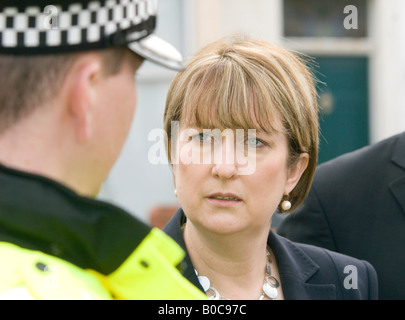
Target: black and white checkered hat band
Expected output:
[84,25]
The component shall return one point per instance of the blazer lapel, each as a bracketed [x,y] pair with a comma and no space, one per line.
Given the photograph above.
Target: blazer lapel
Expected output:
[296,269]
[398,185]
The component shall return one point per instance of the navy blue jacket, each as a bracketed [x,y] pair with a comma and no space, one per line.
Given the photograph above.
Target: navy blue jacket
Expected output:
[306,272]
[356,206]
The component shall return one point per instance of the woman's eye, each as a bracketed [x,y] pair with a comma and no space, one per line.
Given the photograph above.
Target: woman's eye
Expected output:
[202,137]
[254,142]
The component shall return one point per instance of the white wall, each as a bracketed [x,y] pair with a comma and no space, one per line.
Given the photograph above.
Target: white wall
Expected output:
[214,19]
[401,67]
[134,183]
[387,69]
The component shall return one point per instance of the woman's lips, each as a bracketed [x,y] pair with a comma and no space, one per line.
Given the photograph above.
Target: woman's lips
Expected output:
[224,199]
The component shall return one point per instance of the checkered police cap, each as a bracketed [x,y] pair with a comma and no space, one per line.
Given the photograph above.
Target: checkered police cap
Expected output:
[52,26]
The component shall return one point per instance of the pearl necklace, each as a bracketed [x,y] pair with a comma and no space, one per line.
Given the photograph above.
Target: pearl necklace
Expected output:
[269,288]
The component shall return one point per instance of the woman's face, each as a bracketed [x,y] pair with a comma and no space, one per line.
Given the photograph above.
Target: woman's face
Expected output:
[219,195]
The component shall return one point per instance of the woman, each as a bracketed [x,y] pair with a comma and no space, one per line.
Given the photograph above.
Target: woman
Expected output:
[230,179]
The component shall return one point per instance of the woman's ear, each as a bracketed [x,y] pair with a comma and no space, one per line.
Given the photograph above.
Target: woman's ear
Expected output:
[80,93]
[295,173]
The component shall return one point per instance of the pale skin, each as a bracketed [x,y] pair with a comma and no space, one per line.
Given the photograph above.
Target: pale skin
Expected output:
[227,239]
[76,137]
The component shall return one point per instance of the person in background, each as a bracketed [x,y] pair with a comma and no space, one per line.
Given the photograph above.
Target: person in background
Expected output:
[242,123]
[356,206]
[67,98]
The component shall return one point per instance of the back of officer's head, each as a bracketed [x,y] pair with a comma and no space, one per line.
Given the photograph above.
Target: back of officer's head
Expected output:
[67,86]
[39,43]
[29,81]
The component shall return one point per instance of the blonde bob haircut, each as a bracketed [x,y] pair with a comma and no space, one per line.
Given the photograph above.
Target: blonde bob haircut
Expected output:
[239,82]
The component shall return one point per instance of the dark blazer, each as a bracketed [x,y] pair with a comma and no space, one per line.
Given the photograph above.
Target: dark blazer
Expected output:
[306,272]
[357,207]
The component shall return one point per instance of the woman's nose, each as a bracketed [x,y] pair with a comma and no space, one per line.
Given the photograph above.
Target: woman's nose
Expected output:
[225,171]
[225,166]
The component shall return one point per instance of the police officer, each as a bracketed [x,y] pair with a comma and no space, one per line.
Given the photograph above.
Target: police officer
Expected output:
[67,97]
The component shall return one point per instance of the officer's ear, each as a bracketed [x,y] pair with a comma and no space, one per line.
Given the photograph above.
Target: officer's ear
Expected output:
[80,93]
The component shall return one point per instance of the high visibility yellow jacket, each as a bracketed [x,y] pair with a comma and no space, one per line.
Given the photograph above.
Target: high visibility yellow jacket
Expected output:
[149,273]
[56,244]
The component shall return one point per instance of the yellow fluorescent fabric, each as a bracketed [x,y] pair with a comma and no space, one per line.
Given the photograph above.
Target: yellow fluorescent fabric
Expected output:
[150,269]
[149,273]
[44,277]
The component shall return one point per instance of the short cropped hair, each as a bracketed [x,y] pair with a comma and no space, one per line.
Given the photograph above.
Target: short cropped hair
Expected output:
[26,82]
[241,82]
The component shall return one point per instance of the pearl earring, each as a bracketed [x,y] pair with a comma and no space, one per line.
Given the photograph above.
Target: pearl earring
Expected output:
[175,192]
[286,204]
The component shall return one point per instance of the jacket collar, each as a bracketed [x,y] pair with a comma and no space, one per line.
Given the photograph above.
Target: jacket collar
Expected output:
[174,229]
[296,268]
[398,155]
[37,213]
[296,271]
[398,185]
